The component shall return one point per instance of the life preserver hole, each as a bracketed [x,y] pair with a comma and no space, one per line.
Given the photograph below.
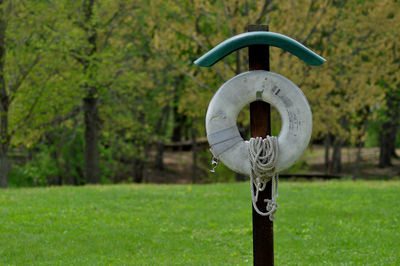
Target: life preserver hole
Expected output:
[243,122]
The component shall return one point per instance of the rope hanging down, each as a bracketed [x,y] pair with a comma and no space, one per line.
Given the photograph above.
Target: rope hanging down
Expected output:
[263,154]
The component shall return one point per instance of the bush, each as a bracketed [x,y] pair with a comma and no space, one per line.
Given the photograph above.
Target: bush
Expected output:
[37,172]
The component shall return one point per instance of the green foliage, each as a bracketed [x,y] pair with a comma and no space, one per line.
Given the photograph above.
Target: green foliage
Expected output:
[36,172]
[372,139]
[115,161]
[136,58]
[335,222]
[57,160]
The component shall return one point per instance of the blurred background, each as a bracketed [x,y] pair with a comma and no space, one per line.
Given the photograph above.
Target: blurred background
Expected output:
[106,91]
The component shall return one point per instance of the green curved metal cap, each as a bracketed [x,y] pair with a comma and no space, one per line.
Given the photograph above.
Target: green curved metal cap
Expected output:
[259,37]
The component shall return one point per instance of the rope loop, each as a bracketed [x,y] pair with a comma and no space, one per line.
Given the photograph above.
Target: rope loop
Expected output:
[263,154]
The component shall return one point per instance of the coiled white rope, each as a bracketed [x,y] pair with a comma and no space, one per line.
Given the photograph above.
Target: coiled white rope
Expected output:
[263,154]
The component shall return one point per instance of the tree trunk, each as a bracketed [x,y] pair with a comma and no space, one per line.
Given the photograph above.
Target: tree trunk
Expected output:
[74,174]
[4,167]
[179,124]
[394,128]
[4,106]
[90,102]
[327,144]
[337,156]
[360,145]
[4,137]
[194,153]
[55,180]
[138,168]
[160,130]
[357,162]
[337,149]
[91,140]
[159,162]
[385,144]
[388,133]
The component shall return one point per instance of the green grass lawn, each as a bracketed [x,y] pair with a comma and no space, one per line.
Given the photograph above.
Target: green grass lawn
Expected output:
[336,222]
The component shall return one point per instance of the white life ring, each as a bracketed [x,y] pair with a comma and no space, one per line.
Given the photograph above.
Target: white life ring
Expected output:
[223,135]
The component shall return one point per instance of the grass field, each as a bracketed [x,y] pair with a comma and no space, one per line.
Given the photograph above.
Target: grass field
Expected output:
[335,222]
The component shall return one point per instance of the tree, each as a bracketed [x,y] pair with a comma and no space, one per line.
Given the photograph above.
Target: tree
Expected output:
[390,124]
[182,33]
[90,101]
[127,66]
[25,33]
[93,40]
[337,91]
[388,57]
[346,85]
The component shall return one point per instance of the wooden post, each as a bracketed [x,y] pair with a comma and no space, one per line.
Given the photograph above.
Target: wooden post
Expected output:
[260,126]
